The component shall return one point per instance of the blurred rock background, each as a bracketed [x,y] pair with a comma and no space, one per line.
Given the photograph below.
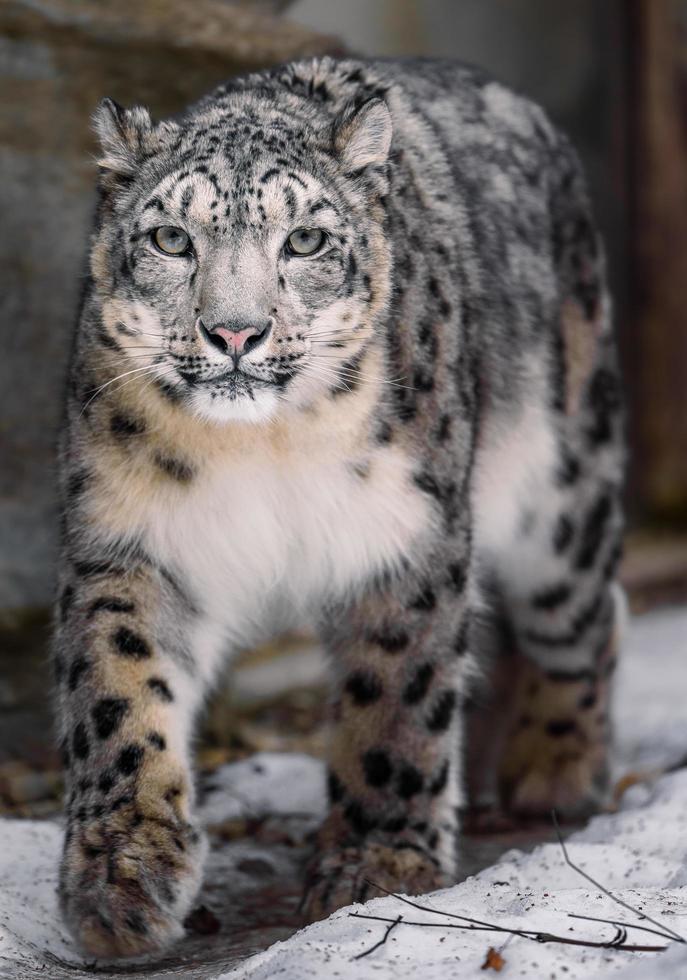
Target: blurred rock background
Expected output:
[613,74]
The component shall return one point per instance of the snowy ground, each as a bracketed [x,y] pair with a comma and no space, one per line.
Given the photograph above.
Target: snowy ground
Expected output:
[637,854]
[640,853]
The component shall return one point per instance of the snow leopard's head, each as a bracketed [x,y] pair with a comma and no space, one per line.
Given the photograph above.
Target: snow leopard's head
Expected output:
[240,258]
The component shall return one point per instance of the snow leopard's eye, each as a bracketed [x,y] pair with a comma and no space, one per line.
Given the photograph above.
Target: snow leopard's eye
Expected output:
[305,241]
[171,240]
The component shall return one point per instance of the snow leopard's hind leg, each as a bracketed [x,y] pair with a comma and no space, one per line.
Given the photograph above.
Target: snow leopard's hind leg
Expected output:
[548,723]
[545,717]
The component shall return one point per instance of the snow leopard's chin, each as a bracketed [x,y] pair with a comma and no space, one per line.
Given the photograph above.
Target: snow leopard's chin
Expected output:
[261,404]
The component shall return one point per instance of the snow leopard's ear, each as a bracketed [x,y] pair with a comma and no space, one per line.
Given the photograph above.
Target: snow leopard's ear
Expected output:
[363,137]
[127,136]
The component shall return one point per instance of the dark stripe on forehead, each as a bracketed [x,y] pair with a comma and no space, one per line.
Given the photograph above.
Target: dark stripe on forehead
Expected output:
[269,175]
[324,202]
[290,200]
[203,171]
[293,176]
[186,198]
[154,202]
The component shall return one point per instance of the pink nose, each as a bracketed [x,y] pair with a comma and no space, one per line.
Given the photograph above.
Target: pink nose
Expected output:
[236,339]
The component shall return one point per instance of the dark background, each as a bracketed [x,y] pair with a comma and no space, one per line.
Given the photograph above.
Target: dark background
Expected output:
[612,73]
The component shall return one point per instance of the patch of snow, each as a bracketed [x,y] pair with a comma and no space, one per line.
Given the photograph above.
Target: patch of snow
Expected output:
[256,683]
[671,966]
[31,931]
[269,783]
[650,692]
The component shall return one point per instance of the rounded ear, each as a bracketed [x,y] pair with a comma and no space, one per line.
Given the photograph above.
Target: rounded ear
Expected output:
[126,136]
[122,133]
[363,138]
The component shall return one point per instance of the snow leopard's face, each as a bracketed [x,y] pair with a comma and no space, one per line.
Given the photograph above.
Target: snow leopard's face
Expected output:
[241,259]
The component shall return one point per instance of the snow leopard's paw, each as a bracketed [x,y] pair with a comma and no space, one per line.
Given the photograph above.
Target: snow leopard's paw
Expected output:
[556,755]
[127,881]
[574,786]
[357,873]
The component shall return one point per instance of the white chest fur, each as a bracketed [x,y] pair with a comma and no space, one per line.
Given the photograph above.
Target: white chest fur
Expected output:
[286,528]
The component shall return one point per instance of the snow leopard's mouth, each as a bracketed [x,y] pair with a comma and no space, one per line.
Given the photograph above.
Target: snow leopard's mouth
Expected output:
[233,385]
[236,383]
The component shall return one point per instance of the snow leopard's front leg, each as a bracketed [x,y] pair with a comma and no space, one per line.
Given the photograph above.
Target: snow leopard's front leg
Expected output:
[133,855]
[401,656]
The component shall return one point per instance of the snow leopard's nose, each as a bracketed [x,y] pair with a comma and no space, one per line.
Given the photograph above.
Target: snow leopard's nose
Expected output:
[234,338]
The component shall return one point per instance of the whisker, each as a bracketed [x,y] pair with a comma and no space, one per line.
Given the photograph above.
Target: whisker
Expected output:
[154,374]
[355,375]
[133,357]
[142,333]
[331,335]
[169,369]
[141,347]
[329,370]
[162,374]
[339,327]
[334,378]
[116,378]
[128,381]
[112,381]
[327,330]
[336,357]
[342,341]
[324,374]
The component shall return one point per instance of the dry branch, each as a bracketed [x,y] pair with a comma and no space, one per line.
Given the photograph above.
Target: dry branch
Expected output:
[617,942]
[666,932]
[392,925]
[617,922]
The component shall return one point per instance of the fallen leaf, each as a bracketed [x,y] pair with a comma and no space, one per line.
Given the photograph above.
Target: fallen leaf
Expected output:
[494,961]
[632,779]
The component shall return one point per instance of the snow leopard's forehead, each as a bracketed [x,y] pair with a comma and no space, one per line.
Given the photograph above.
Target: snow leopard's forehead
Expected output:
[242,169]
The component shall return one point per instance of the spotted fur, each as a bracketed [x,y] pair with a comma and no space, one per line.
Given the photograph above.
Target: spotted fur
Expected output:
[423,452]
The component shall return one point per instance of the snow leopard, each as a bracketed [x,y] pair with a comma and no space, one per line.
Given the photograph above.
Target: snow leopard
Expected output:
[345,355]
